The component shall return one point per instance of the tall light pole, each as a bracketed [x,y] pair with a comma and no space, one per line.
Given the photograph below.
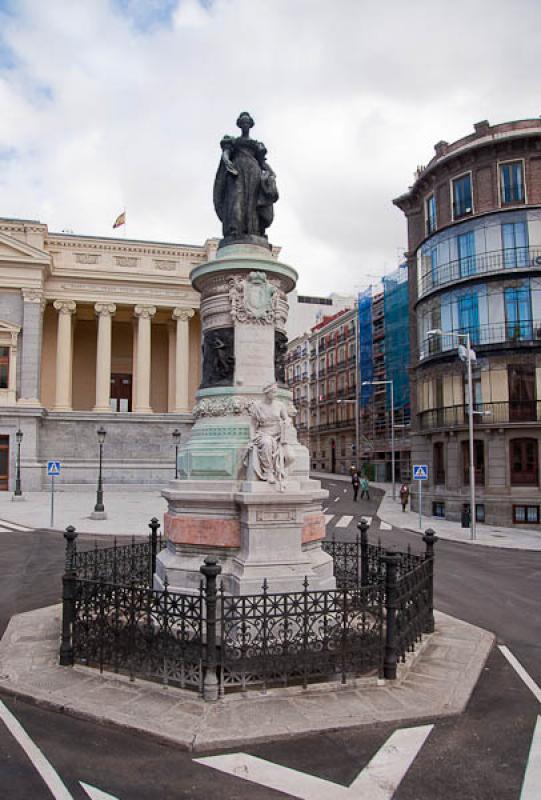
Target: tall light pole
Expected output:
[390,383]
[343,402]
[466,354]
[176,438]
[99,508]
[18,491]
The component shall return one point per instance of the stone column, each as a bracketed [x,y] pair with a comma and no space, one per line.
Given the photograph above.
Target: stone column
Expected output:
[144,315]
[182,358]
[33,306]
[104,313]
[64,354]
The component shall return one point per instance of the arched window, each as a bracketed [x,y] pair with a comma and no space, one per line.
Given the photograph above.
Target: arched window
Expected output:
[524,462]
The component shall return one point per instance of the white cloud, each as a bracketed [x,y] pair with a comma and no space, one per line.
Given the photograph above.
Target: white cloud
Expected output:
[119,103]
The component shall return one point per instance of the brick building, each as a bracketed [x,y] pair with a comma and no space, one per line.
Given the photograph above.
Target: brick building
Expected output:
[474,255]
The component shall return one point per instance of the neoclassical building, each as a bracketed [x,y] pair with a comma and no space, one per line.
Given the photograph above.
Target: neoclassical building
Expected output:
[474,254]
[95,331]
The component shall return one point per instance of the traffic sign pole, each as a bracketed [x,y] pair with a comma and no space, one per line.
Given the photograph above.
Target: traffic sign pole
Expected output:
[420,474]
[420,504]
[52,501]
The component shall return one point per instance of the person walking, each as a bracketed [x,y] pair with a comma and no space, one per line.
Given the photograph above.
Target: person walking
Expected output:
[365,487]
[404,495]
[356,482]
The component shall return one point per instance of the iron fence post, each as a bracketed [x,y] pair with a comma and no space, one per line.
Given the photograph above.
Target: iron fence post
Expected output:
[363,528]
[210,569]
[68,598]
[391,561]
[153,525]
[430,540]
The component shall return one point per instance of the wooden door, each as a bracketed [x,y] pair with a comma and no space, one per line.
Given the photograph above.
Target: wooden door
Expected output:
[121,392]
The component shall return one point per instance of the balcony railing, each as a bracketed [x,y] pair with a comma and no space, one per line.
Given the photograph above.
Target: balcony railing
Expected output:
[510,333]
[521,411]
[481,264]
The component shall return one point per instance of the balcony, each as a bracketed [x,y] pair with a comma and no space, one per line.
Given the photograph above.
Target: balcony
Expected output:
[515,258]
[333,426]
[511,334]
[519,412]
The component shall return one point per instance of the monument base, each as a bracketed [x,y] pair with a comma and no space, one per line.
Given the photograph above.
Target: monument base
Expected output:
[256,532]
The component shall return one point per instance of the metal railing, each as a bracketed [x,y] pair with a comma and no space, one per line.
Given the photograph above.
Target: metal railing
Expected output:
[498,413]
[512,334]
[213,642]
[480,264]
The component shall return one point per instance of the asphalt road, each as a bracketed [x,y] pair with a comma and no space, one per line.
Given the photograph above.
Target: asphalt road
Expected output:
[480,755]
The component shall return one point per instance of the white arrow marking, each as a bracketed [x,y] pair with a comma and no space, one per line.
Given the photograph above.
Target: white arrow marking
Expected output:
[96,794]
[532,777]
[377,781]
[521,672]
[46,770]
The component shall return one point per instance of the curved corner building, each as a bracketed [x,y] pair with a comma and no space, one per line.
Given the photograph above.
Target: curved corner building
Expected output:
[474,255]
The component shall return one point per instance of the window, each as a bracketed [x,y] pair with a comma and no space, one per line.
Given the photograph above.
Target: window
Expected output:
[526,514]
[479,511]
[478,461]
[438,510]
[518,314]
[439,464]
[4,367]
[524,462]
[468,315]
[431,221]
[515,245]
[511,182]
[521,384]
[434,266]
[462,197]
[466,253]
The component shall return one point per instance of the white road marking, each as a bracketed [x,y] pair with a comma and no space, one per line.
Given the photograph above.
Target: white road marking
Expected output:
[377,781]
[368,519]
[521,672]
[343,522]
[45,769]
[384,526]
[96,794]
[14,526]
[532,777]
[328,518]
[345,490]
[336,499]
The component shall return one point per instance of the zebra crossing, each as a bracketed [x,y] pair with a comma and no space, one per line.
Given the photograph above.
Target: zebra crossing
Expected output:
[344,520]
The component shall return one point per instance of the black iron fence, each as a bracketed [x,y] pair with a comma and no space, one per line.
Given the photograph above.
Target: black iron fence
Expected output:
[212,642]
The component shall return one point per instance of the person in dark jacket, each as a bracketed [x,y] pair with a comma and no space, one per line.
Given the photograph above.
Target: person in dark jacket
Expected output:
[355,482]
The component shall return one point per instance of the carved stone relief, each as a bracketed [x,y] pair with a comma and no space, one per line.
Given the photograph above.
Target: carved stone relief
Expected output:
[254,299]
[86,258]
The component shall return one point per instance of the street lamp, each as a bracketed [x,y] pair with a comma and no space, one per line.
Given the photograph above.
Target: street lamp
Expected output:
[176,438]
[18,491]
[468,355]
[99,507]
[390,383]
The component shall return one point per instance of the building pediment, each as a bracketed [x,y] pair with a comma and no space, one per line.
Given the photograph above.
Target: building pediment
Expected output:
[14,251]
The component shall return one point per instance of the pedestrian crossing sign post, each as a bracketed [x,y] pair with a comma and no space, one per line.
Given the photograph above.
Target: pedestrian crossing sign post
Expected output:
[53,469]
[420,474]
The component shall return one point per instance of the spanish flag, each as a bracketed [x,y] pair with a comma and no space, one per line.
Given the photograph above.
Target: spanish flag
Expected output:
[120,220]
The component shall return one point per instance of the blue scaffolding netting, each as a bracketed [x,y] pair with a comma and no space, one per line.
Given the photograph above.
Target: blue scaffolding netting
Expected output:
[397,349]
[366,358]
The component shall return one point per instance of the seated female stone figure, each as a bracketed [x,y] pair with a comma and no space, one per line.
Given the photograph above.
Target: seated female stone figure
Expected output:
[267,454]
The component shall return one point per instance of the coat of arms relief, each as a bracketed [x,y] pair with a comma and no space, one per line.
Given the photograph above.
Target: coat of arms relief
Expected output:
[253,299]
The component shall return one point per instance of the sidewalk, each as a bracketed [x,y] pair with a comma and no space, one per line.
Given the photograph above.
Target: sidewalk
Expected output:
[128,513]
[436,681]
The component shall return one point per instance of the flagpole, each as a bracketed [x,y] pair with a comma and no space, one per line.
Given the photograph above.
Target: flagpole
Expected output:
[125,223]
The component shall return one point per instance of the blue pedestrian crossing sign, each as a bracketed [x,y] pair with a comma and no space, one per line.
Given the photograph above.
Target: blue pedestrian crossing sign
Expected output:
[53,468]
[420,472]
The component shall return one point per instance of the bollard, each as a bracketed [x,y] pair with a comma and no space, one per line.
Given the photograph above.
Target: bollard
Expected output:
[363,528]
[390,660]
[430,540]
[210,569]
[153,525]
[68,598]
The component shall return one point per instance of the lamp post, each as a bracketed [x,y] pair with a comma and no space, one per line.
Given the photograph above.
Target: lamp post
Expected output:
[468,355]
[390,383]
[18,491]
[99,507]
[176,438]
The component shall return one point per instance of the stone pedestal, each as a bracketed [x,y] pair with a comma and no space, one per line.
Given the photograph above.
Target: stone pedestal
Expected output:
[257,530]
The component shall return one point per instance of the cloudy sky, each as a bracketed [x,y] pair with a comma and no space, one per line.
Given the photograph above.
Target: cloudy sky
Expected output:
[107,104]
